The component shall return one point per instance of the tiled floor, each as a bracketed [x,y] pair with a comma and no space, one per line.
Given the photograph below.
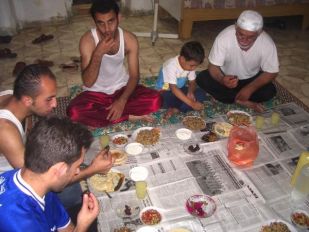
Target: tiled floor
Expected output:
[292,44]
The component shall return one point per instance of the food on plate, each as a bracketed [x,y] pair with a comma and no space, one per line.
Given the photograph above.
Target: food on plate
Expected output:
[201,206]
[194,123]
[300,219]
[151,217]
[120,140]
[194,148]
[148,137]
[123,229]
[183,133]
[119,156]
[275,227]
[110,182]
[223,129]
[134,148]
[239,118]
[128,210]
[210,137]
[179,230]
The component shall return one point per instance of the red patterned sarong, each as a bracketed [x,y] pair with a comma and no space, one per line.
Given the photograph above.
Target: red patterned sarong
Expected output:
[89,108]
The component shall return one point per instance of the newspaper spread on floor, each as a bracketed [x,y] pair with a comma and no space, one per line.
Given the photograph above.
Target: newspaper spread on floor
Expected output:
[246,199]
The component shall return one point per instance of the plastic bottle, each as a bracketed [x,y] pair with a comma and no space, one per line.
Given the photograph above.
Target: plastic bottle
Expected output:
[300,181]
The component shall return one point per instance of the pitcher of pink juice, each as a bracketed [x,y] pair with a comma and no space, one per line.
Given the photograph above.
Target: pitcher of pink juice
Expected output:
[243,145]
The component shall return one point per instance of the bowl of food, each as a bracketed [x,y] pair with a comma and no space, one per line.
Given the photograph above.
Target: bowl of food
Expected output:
[239,118]
[223,129]
[209,136]
[183,133]
[109,182]
[192,148]
[194,123]
[150,216]
[300,219]
[147,135]
[277,225]
[134,148]
[201,206]
[120,140]
[127,210]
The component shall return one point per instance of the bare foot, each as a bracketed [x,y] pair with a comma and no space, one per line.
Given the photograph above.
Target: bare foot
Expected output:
[170,113]
[146,118]
[252,105]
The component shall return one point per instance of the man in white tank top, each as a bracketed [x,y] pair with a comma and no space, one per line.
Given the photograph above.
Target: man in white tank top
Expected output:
[243,62]
[110,94]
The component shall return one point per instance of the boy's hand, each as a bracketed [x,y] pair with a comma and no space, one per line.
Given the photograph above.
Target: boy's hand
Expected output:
[230,81]
[191,96]
[197,105]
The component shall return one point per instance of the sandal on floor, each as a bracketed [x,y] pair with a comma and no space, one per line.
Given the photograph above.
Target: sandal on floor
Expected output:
[7,53]
[75,59]
[19,66]
[5,39]
[69,67]
[47,63]
[42,38]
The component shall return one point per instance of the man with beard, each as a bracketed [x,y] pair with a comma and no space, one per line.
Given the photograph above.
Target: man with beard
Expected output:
[34,92]
[110,94]
[243,62]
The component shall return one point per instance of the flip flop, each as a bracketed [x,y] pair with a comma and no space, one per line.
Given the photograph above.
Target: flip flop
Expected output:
[7,53]
[19,66]
[69,67]
[5,39]
[42,38]
[75,59]
[46,63]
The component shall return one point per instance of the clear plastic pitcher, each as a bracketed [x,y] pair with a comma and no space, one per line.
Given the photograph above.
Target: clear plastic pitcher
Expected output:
[243,146]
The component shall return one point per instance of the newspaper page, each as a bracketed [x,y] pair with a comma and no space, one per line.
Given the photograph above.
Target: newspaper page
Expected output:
[293,114]
[301,134]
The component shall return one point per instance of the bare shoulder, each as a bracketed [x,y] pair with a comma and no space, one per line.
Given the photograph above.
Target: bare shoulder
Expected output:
[131,42]
[86,38]
[8,131]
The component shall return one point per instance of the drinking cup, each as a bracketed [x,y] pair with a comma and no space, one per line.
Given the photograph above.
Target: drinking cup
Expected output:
[275,118]
[139,175]
[259,122]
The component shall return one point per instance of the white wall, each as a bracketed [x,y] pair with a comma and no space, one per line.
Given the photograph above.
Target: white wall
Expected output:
[139,5]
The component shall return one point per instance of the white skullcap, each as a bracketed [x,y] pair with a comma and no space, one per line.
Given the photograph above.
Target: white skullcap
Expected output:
[250,20]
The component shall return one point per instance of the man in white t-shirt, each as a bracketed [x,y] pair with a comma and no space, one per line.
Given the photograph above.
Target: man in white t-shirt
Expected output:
[243,62]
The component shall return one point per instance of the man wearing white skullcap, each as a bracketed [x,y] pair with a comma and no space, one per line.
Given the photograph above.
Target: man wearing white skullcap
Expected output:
[243,62]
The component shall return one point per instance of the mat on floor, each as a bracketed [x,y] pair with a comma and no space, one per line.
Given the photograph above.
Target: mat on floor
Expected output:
[212,108]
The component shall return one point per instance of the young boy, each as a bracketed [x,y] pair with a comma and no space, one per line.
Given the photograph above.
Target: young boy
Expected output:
[174,76]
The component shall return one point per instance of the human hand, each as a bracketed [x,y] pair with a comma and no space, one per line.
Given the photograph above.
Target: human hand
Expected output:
[115,109]
[88,213]
[105,45]
[103,162]
[197,105]
[244,94]
[230,81]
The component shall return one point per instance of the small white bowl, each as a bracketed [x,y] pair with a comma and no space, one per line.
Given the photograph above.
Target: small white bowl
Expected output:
[134,148]
[183,133]
[120,145]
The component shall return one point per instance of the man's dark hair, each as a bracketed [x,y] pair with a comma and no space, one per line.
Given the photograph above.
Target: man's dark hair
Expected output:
[193,50]
[28,81]
[54,140]
[103,7]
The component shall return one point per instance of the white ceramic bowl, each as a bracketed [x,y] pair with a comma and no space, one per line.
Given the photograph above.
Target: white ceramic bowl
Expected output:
[134,148]
[120,140]
[183,133]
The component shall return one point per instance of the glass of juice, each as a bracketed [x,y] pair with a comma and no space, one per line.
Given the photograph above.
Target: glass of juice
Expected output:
[139,175]
[259,122]
[275,118]
[243,146]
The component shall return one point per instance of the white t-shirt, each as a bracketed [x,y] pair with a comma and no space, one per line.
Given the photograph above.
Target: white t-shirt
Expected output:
[173,73]
[112,74]
[227,54]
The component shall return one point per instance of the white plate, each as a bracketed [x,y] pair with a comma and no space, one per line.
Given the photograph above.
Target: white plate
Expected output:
[134,148]
[239,112]
[135,133]
[185,226]
[267,223]
[294,222]
[202,126]
[223,129]
[183,133]
[150,208]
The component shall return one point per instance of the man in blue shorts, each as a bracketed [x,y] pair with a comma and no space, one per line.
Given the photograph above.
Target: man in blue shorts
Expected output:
[54,150]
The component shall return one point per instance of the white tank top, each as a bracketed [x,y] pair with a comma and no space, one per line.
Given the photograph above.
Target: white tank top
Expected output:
[112,74]
[6,114]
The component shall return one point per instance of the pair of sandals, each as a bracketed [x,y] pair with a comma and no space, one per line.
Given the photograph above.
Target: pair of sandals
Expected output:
[71,67]
[7,53]
[42,38]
